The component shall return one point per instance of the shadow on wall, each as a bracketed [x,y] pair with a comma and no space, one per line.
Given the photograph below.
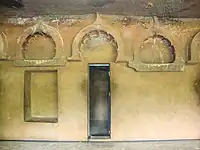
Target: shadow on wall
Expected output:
[12,3]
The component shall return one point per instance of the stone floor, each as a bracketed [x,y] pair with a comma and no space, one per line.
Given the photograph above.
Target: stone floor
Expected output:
[156,145]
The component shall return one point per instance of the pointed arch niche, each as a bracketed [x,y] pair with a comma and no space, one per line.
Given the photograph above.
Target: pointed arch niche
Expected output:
[3,46]
[157,53]
[193,51]
[97,29]
[52,42]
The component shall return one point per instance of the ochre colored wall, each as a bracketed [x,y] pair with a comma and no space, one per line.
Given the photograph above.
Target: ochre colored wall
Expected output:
[144,105]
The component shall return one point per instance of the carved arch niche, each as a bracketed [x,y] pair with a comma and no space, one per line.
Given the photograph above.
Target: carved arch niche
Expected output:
[52,50]
[93,36]
[157,54]
[157,50]
[193,51]
[3,46]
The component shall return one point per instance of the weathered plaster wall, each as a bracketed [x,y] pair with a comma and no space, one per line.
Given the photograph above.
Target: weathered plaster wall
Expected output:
[145,105]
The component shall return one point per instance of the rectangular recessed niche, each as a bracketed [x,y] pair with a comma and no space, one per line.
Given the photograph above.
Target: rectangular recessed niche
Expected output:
[41,96]
[99,101]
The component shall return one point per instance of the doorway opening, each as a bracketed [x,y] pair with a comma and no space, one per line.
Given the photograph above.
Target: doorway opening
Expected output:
[99,108]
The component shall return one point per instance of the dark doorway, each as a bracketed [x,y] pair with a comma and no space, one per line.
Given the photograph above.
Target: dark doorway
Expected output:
[99,101]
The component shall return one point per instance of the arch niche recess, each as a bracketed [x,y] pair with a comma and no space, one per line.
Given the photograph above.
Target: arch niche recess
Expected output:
[58,58]
[3,46]
[99,27]
[157,42]
[193,51]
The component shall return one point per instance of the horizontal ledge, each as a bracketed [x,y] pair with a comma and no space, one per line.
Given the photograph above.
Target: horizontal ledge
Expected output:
[42,119]
[53,62]
[157,67]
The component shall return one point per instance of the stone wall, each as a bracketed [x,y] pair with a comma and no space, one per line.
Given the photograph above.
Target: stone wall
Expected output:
[154,76]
